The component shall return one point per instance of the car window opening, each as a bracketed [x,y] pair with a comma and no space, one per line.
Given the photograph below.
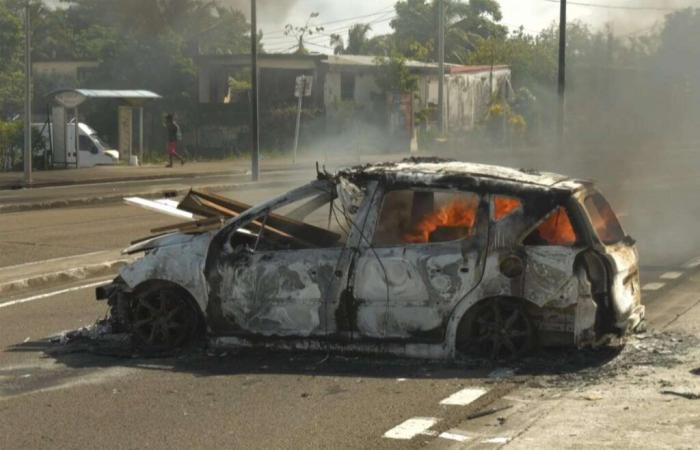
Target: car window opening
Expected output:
[420,217]
[605,223]
[555,230]
[505,206]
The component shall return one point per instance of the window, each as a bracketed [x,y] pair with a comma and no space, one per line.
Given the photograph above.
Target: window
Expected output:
[347,86]
[86,144]
[605,223]
[419,217]
[504,206]
[555,230]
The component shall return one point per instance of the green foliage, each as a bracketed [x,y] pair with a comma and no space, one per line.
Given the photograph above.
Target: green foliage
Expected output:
[394,75]
[466,24]
[11,71]
[358,41]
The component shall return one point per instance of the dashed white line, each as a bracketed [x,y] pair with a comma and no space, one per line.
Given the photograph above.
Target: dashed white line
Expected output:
[653,286]
[692,264]
[496,440]
[411,428]
[454,436]
[54,293]
[671,275]
[463,397]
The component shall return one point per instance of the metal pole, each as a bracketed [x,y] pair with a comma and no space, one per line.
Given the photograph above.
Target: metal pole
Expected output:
[27,96]
[255,128]
[298,127]
[441,65]
[141,135]
[76,134]
[561,119]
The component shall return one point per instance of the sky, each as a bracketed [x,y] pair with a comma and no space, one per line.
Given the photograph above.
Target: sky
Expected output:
[626,16]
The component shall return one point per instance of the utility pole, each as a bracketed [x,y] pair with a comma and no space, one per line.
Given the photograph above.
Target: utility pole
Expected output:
[561,117]
[27,97]
[255,127]
[441,66]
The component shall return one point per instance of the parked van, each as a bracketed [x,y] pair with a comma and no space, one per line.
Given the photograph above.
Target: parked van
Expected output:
[93,150]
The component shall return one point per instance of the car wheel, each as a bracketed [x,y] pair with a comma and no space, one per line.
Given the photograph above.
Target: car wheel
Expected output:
[496,329]
[163,319]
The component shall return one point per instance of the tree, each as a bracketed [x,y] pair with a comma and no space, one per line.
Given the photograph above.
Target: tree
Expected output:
[301,32]
[358,42]
[11,69]
[467,23]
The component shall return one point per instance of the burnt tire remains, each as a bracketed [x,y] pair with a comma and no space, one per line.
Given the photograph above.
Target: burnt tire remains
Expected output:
[499,328]
[163,317]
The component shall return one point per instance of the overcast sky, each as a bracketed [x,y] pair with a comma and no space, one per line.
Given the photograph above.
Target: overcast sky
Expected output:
[531,14]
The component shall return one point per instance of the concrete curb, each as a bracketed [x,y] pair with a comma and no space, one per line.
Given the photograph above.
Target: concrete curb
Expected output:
[62,276]
[85,201]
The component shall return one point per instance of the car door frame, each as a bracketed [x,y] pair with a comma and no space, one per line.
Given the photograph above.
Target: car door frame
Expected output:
[222,258]
[476,244]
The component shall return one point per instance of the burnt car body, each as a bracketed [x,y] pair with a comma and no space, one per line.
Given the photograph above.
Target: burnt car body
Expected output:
[424,257]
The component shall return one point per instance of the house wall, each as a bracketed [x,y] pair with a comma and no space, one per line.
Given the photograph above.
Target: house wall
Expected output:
[62,68]
[468,96]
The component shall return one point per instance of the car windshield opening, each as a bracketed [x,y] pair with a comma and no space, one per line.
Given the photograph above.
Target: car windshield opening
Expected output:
[604,220]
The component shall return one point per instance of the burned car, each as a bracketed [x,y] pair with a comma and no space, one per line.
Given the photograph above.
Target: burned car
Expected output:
[425,257]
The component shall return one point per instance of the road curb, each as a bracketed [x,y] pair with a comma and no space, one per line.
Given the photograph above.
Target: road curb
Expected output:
[62,276]
[86,201]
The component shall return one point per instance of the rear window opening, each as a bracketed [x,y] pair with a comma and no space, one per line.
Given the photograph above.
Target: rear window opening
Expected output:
[605,223]
[555,230]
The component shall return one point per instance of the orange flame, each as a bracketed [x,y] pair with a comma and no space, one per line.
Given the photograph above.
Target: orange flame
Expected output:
[457,213]
[505,206]
[557,229]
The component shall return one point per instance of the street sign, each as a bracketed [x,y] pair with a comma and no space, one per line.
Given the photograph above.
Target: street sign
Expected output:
[303,85]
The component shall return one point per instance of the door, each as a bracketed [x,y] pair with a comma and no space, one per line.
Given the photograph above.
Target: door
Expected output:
[286,279]
[427,253]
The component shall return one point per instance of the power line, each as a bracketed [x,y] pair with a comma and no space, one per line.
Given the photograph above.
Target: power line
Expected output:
[607,6]
[347,19]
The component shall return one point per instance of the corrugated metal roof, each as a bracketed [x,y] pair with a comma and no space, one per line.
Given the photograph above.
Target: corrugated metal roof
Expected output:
[370,61]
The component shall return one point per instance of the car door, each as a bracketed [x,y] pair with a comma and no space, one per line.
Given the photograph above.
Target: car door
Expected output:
[271,283]
[426,253]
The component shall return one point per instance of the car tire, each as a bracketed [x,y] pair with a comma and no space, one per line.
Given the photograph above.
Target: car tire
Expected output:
[163,318]
[497,329]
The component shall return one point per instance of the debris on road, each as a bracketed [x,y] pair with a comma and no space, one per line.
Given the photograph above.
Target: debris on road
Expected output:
[685,394]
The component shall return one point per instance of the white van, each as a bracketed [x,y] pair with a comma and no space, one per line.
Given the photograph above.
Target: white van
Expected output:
[93,150]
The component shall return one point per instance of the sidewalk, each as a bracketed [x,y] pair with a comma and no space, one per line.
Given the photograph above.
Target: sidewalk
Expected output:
[60,270]
[111,174]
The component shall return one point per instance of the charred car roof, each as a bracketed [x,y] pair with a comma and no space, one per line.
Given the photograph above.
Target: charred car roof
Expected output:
[451,173]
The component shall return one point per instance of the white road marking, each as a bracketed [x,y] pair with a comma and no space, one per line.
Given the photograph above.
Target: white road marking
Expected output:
[692,264]
[411,428]
[671,275]
[653,286]
[496,440]
[54,293]
[463,397]
[454,436]
[62,258]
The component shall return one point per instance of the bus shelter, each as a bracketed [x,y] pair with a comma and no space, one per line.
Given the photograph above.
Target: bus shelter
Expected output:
[65,100]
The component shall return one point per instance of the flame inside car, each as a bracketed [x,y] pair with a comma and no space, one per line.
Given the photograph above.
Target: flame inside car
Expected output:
[456,218]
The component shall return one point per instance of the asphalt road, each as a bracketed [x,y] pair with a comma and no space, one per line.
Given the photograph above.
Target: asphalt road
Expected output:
[53,396]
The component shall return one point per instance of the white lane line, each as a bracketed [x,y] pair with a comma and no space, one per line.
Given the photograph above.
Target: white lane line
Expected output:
[653,286]
[54,293]
[496,440]
[411,428]
[671,275]
[456,436]
[463,397]
[692,264]
[62,258]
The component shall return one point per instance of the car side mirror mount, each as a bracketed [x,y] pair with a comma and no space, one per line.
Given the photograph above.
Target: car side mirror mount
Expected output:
[629,240]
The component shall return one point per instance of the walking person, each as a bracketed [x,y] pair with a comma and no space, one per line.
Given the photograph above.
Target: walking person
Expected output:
[174,135]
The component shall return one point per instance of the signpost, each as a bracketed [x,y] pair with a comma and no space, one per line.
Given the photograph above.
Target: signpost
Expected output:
[301,89]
